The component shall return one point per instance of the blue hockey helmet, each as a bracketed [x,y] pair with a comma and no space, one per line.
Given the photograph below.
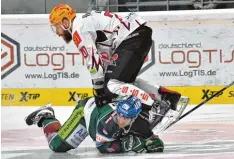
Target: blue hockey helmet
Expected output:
[129,107]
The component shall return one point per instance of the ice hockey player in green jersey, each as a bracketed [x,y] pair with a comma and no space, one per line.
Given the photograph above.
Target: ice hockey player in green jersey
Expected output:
[116,127]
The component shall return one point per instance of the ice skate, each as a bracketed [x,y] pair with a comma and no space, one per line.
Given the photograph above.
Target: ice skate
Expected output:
[170,117]
[157,112]
[169,96]
[39,115]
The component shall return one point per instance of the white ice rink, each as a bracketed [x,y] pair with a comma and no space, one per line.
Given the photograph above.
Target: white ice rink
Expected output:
[207,133]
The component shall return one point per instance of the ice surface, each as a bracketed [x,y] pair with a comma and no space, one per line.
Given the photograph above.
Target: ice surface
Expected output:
[206,133]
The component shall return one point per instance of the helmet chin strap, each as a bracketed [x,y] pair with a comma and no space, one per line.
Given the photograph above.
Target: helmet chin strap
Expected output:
[68,29]
[130,125]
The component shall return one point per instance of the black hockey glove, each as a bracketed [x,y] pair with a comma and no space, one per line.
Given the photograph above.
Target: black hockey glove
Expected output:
[137,144]
[100,97]
[132,143]
[154,144]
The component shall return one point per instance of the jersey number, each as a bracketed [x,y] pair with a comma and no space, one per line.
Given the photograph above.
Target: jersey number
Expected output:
[108,14]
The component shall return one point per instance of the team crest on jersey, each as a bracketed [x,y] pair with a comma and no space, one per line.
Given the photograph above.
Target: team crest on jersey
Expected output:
[77,39]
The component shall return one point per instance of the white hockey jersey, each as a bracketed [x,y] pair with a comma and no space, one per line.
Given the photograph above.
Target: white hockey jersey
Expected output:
[99,54]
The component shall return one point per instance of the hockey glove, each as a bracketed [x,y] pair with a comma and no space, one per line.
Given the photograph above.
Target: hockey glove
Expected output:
[100,97]
[154,144]
[131,143]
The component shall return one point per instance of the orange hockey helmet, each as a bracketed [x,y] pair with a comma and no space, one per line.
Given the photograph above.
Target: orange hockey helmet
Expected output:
[61,11]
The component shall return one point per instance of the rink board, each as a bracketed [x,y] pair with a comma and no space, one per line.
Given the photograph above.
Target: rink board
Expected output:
[66,96]
[192,53]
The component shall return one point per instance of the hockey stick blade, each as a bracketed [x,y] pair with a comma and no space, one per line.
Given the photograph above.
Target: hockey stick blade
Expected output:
[202,103]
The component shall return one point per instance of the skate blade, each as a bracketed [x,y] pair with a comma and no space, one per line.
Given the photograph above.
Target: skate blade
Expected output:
[167,120]
[175,115]
[182,104]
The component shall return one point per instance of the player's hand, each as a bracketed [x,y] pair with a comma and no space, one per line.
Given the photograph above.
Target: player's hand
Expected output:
[133,143]
[100,97]
[154,144]
[101,101]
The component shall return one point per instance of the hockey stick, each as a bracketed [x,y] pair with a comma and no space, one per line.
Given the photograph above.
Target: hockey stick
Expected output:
[202,103]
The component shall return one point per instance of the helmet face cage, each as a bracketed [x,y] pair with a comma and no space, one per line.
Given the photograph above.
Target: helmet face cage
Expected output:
[53,27]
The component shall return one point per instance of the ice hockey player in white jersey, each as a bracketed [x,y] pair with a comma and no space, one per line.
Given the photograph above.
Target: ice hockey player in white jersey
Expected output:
[114,49]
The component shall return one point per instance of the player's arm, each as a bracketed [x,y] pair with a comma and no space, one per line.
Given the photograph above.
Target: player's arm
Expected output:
[109,146]
[83,101]
[105,142]
[85,41]
[128,143]
[135,143]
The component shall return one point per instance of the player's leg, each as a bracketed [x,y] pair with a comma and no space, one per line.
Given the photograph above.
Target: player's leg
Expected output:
[130,54]
[159,92]
[172,115]
[129,58]
[60,138]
